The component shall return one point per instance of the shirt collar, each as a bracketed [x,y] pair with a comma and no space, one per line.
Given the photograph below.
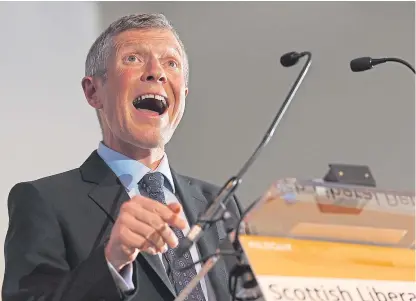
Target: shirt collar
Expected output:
[130,171]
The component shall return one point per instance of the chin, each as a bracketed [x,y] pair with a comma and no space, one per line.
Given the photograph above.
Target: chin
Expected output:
[149,141]
[148,144]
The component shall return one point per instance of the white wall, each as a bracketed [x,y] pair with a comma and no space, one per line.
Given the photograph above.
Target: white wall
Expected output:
[46,126]
[237,86]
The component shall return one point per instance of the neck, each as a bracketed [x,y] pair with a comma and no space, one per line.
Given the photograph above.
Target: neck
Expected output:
[148,157]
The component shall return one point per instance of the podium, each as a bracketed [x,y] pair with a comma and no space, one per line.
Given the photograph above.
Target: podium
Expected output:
[311,240]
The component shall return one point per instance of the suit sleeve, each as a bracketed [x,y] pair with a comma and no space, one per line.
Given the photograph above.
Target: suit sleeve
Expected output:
[35,257]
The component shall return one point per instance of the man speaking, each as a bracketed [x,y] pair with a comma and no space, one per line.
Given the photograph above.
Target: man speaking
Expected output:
[107,229]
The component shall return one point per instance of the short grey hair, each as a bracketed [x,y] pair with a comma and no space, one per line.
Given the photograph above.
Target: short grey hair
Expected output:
[100,51]
[96,62]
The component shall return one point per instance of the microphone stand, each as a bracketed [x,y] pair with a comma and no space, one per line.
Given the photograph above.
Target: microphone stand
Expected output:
[218,211]
[205,268]
[400,61]
[240,269]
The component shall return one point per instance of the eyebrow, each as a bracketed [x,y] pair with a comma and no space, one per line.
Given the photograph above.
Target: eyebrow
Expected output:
[136,45]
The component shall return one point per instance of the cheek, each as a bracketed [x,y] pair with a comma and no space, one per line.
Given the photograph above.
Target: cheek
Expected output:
[179,106]
[117,94]
[182,101]
[179,93]
[178,85]
[122,81]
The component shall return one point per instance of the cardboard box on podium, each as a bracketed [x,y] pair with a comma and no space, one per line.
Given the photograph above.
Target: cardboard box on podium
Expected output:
[315,241]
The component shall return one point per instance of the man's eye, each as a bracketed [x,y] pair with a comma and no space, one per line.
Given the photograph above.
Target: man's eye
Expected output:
[173,64]
[132,59]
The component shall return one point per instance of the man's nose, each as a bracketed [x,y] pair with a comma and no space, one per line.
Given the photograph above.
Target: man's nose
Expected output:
[154,73]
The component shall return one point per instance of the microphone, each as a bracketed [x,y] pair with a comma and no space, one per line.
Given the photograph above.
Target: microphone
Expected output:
[291,58]
[216,210]
[367,63]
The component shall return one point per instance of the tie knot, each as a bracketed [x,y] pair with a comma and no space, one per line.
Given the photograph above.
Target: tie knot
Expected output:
[152,184]
[153,180]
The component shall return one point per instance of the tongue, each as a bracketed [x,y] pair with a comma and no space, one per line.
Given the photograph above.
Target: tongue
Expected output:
[149,112]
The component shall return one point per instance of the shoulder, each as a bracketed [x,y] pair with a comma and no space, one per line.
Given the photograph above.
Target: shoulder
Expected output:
[210,191]
[54,183]
[206,187]
[46,192]
[33,201]
[63,184]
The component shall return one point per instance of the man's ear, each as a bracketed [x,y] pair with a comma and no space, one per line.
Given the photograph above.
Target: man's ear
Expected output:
[89,85]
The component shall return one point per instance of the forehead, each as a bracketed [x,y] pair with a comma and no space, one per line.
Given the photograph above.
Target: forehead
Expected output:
[153,38]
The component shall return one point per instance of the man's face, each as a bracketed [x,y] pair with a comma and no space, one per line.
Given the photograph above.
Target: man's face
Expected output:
[142,99]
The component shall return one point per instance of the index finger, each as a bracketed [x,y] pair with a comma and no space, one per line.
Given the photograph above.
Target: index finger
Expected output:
[169,216]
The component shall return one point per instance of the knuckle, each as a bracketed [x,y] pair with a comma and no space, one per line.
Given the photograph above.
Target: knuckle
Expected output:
[123,219]
[124,233]
[155,222]
[157,210]
[126,207]
[159,243]
[151,235]
[163,228]
[140,244]
[138,199]
[138,210]
[156,241]
[130,208]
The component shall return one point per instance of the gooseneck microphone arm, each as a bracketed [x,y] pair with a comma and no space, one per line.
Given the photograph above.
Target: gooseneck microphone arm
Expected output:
[403,62]
[216,210]
[366,63]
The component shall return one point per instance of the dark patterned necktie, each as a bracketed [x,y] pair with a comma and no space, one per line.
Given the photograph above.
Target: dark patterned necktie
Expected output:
[151,185]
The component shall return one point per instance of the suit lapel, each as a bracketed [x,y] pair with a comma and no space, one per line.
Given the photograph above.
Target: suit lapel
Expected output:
[194,203]
[109,195]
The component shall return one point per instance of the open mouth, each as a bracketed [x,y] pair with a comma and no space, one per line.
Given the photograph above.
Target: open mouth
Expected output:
[152,103]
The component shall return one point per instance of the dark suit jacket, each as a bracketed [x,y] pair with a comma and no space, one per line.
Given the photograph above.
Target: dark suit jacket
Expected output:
[58,225]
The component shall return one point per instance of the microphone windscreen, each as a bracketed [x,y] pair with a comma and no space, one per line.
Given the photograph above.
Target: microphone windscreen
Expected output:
[361,64]
[289,59]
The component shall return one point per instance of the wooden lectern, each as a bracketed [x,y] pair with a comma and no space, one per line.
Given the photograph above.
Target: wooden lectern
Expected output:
[321,241]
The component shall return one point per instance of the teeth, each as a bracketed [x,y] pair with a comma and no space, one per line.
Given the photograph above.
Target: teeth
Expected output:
[162,99]
[159,97]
